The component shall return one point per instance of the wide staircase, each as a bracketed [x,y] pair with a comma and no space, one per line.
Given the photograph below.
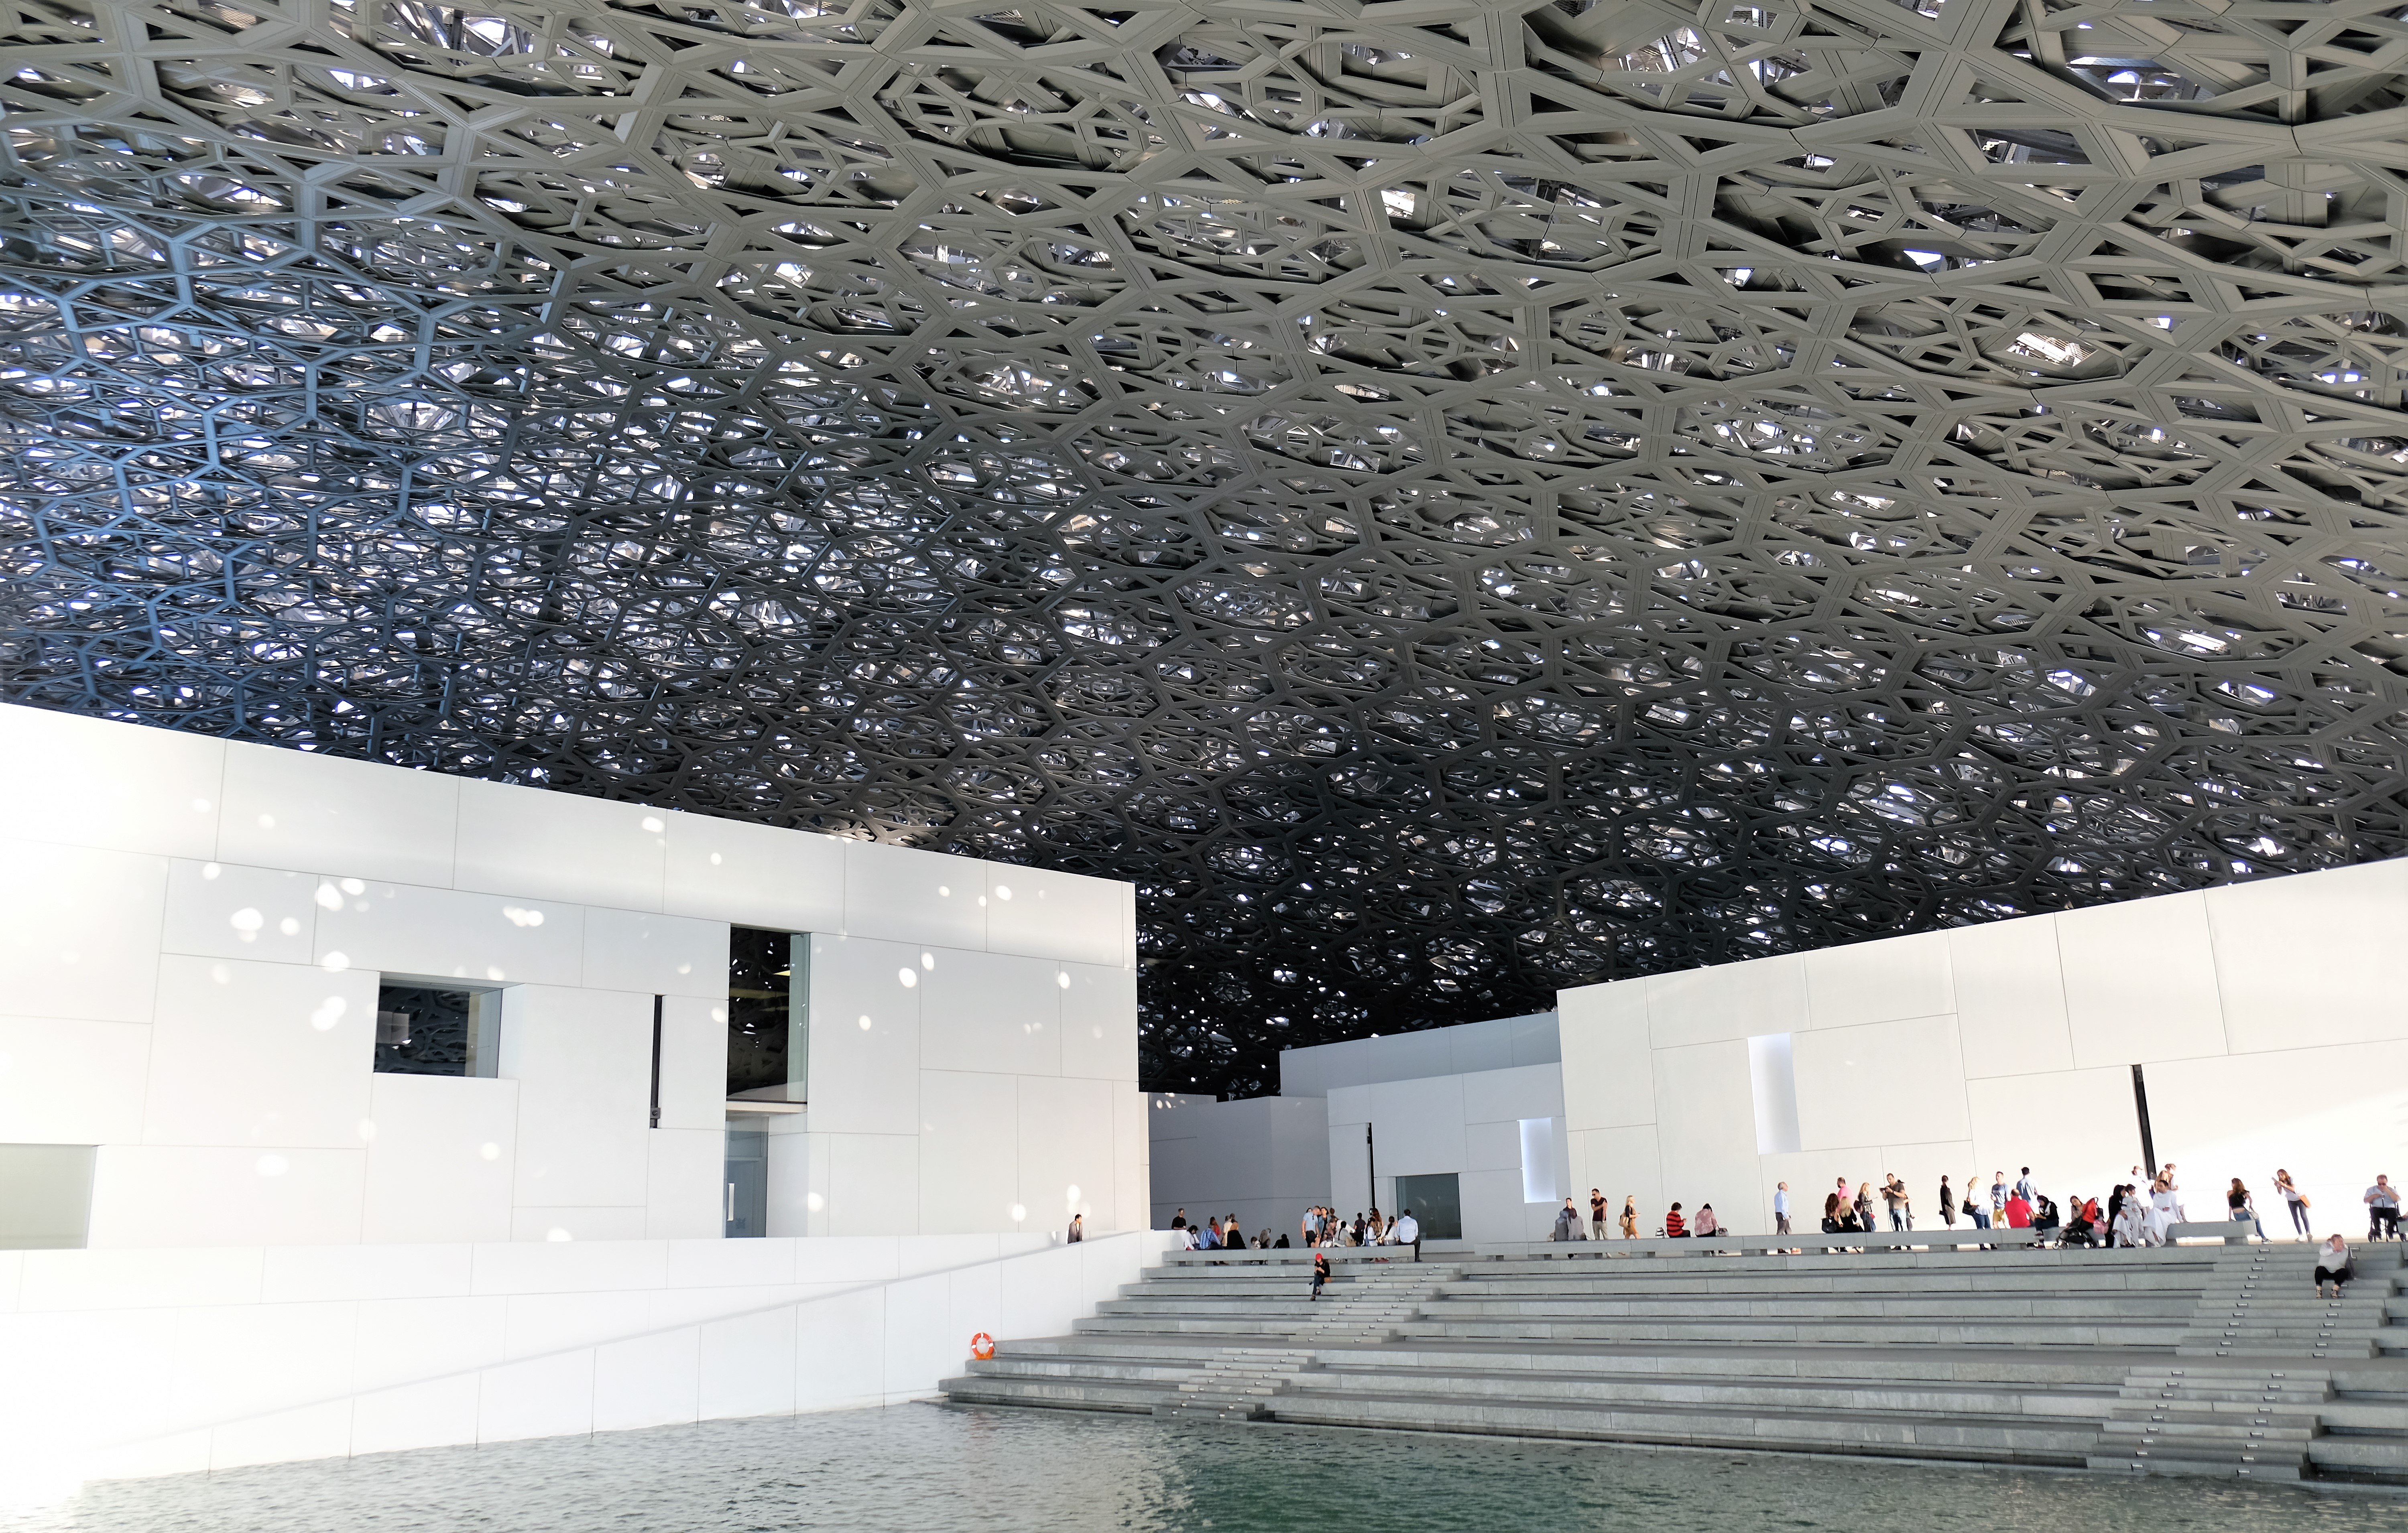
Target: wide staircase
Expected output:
[2206,1359]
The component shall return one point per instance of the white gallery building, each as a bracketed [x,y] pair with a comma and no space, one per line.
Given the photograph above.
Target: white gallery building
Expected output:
[345,1108]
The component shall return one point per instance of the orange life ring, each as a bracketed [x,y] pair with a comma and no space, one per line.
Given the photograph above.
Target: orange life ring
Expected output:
[981,1346]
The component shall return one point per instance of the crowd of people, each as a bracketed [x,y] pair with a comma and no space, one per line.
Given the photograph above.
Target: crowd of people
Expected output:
[1321,1227]
[2139,1213]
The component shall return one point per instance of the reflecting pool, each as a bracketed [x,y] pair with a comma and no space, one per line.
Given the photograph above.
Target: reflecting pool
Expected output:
[921,1467]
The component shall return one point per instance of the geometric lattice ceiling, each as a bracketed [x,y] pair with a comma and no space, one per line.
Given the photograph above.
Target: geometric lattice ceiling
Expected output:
[1452,500]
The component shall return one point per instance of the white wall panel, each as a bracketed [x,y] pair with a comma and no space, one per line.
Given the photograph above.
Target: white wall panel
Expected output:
[78,932]
[1054,915]
[440,1164]
[1531,1091]
[1727,1001]
[874,1185]
[2332,1117]
[898,893]
[177,1195]
[1906,1077]
[265,1054]
[685,1173]
[72,1082]
[350,818]
[1132,1163]
[1882,980]
[1608,1079]
[2139,981]
[693,1062]
[753,874]
[1493,1146]
[546,845]
[402,930]
[2077,1129]
[226,911]
[1623,1161]
[866,1035]
[995,1013]
[969,1154]
[531,1224]
[2296,959]
[657,954]
[1706,1133]
[2010,998]
[1420,1127]
[799,1184]
[1099,1022]
[1065,1141]
[582,1061]
[113,786]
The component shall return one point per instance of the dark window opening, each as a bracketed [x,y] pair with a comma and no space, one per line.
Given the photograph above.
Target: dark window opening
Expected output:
[1437,1202]
[431,1029]
[769,1015]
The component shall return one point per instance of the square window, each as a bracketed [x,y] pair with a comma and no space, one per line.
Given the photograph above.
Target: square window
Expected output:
[434,1028]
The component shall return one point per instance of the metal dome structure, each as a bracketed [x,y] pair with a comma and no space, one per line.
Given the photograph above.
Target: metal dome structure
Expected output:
[1451,499]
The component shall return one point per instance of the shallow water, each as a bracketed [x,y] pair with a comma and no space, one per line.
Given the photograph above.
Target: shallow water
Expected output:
[918,1468]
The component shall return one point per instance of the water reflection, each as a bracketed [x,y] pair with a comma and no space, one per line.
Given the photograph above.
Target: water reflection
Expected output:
[916,1469]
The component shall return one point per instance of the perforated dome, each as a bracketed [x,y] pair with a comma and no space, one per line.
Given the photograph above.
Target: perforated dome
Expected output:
[1453,501]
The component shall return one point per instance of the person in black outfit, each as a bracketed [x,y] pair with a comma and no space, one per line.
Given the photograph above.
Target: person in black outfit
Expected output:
[1319,1272]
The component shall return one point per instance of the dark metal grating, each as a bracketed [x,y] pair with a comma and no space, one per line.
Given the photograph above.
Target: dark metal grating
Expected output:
[1452,500]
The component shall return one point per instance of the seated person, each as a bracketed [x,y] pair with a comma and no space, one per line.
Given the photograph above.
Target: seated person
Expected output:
[2047,1217]
[1706,1223]
[1675,1227]
[2332,1266]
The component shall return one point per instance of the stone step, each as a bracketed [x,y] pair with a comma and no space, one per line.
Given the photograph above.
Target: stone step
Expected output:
[1900,1436]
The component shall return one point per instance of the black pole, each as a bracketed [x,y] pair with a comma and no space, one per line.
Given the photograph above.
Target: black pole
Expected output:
[2148,1143]
[1372,1165]
[656,1061]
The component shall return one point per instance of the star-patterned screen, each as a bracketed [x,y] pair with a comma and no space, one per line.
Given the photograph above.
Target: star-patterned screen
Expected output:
[1451,499]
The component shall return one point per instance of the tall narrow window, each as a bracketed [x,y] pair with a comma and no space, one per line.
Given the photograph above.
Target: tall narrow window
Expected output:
[430,1028]
[768,1016]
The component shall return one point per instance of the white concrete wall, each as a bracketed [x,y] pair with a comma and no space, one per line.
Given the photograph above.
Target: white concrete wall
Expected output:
[2271,1026]
[191,936]
[1265,1159]
[1470,1125]
[165,1362]
[1500,1043]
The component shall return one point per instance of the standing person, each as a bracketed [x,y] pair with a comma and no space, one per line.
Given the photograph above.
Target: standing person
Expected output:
[2332,1265]
[1596,1213]
[2181,1215]
[1864,1207]
[1409,1232]
[2114,1210]
[1320,1269]
[1780,1209]
[1947,1203]
[1630,1217]
[2023,1187]
[2243,1207]
[1077,1229]
[1997,1198]
[2132,1224]
[1974,1210]
[2297,1199]
[1179,1220]
[2164,1212]
[2381,1211]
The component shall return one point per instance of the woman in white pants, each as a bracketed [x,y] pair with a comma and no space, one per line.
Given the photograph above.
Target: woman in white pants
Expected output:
[2162,1209]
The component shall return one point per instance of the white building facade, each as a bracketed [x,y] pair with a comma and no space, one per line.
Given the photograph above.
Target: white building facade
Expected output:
[200,943]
